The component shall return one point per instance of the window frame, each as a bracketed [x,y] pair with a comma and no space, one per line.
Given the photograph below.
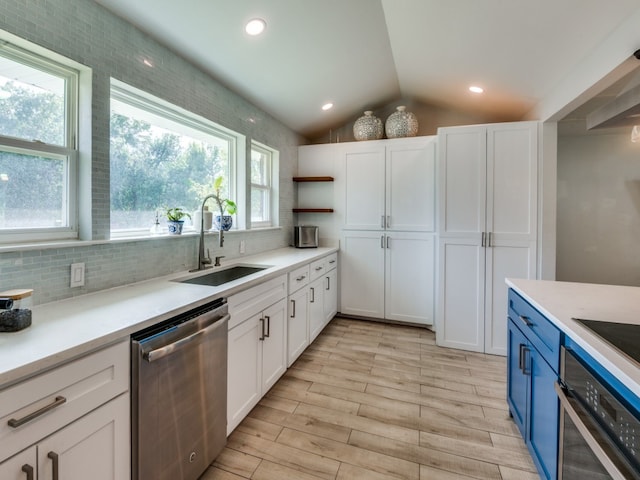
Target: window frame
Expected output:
[174,114]
[271,187]
[33,56]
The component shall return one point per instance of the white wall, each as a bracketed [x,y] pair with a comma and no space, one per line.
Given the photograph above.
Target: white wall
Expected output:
[598,225]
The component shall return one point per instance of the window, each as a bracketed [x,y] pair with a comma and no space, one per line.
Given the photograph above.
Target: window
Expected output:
[38,152]
[263,194]
[162,156]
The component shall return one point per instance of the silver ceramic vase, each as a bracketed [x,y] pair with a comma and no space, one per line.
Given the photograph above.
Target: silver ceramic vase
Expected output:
[368,127]
[401,124]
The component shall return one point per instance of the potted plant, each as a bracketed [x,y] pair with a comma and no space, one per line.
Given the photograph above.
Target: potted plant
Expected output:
[174,220]
[222,221]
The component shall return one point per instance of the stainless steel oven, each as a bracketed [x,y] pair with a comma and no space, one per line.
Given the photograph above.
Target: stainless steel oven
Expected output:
[599,436]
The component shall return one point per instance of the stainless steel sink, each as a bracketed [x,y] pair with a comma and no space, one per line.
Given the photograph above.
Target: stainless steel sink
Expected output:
[218,277]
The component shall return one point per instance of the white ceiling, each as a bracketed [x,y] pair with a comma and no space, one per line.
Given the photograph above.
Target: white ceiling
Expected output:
[360,54]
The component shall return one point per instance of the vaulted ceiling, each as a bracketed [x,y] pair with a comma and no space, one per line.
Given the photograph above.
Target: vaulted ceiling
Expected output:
[359,54]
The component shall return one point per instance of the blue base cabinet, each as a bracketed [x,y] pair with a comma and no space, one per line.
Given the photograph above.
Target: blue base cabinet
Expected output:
[532,369]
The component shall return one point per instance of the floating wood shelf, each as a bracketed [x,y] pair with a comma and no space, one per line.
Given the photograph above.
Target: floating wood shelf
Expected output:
[313,179]
[313,210]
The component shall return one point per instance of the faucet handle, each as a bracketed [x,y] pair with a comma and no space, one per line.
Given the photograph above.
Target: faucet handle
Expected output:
[217,264]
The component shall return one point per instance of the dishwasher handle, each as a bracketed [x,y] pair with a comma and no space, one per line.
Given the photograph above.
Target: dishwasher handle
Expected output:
[158,353]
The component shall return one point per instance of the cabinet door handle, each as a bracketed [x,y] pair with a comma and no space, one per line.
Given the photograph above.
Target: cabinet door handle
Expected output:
[521,358]
[482,242]
[489,241]
[268,318]
[526,367]
[293,309]
[313,295]
[381,221]
[382,241]
[328,283]
[388,221]
[527,321]
[300,278]
[28,469]
[261,330]
[17,422]
[388,242]
[54,465]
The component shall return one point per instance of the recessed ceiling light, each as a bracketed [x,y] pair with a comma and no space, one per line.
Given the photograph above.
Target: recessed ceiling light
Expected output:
[476,89]
[255,26]
[327,106]
[147,62]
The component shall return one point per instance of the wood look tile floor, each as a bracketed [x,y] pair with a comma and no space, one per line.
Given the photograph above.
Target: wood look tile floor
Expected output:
[373,401]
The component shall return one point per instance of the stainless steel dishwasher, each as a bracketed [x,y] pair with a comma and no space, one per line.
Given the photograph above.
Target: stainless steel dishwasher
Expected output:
[179,394]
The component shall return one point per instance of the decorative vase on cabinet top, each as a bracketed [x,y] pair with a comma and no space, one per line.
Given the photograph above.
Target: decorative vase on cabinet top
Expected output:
[401,124]
[368,127]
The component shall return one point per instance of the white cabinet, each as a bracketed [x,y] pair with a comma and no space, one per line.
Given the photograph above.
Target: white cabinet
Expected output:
[488,229]
[389,185]
[388,275]
[298,325]
[330,294]
[257,352]
[387,237]
[71,422]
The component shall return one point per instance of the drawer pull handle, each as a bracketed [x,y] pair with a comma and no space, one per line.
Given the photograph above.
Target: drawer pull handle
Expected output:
[18,422]
[332,261]
[527,321]
[54,464]
[300,278]
[28,469]
[318,269]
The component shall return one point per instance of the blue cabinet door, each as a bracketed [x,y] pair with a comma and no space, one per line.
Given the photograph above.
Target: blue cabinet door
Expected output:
[517,381]
[542,428]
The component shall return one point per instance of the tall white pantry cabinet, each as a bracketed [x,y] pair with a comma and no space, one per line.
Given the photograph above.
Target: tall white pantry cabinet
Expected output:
[384,216]
[488,184]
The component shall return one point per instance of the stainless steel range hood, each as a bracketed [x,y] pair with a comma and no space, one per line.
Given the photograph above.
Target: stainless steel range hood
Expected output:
[623,110]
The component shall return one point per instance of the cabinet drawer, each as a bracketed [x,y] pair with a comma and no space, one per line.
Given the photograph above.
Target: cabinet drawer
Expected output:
[298,278]
[248,303]
[316,269]
[331,262]
[537,328]
[61,396]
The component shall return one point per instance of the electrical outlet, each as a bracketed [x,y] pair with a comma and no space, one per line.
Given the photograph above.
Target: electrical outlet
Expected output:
[241,246]
[77,275]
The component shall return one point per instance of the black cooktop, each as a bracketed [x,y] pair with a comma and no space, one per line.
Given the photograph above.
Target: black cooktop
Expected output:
[623,336]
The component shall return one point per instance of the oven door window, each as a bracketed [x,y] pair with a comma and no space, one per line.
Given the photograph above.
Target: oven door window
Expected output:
[578,461]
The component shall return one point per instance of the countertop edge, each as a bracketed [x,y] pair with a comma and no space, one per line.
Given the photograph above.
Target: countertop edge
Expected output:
[27,353]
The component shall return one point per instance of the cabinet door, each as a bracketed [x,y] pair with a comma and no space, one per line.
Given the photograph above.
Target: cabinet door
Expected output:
[316,308]
[363,187]
[274,346]
[410,275]
[298,325]
[95,446]
[460,318]
[503,261]
[410,185]
[20,466]
[244,381]
[330,295]
[462,166]
[362,274]
[517,380]
[542,425]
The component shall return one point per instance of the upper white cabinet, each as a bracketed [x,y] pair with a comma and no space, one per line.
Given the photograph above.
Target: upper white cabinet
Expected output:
[488,229]
[389,185]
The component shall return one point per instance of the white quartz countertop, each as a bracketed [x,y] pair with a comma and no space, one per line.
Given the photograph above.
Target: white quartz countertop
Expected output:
[562,301]
[70,328]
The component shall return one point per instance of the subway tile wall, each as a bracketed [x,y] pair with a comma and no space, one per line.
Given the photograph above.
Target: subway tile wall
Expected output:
[84,31]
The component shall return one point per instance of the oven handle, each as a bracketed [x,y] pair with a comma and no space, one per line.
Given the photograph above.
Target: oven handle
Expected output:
[571,407]
[158,353]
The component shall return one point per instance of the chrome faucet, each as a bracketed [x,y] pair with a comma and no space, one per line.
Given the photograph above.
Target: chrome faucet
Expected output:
[202,260]
[205,262]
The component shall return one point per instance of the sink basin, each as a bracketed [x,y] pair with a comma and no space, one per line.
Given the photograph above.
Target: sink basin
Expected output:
[219,277]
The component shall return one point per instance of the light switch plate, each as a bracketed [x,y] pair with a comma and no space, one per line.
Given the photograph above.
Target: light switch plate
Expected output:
[77,275]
